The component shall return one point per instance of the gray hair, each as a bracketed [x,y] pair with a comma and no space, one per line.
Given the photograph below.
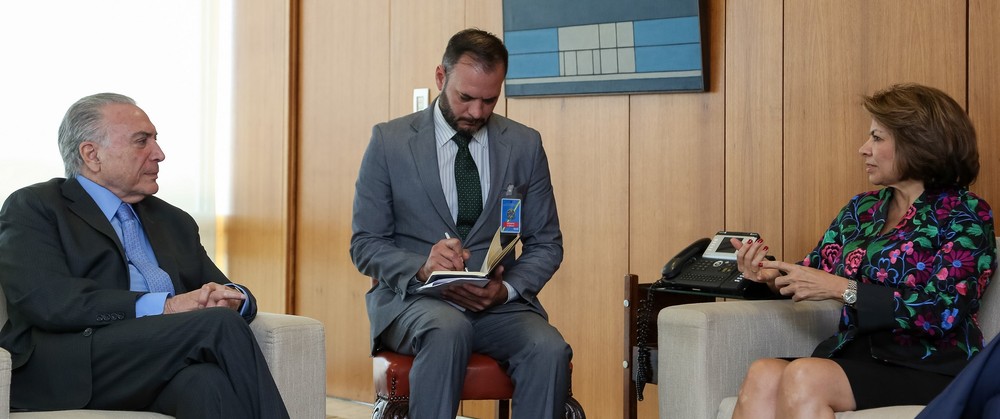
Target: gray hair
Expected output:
[84,121]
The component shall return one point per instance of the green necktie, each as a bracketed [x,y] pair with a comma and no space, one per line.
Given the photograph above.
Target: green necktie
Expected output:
[470,192]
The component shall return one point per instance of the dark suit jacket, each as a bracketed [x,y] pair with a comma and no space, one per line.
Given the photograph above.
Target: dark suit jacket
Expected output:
[974,393]
[64,273]
[400,212]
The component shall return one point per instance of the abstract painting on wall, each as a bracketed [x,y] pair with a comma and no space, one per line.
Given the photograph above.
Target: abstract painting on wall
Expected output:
[572,47]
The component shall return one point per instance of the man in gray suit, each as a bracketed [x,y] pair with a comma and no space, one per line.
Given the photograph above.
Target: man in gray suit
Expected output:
[412,217]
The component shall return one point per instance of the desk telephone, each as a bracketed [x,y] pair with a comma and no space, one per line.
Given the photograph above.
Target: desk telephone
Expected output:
[707,266]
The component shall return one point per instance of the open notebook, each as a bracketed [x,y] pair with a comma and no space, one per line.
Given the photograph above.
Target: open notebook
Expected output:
[498,249]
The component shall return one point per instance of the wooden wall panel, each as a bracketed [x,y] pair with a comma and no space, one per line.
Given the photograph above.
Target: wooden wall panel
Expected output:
[753,92]
[418,33]
[984,94]
[586,140]
[345,91]
[677,165]
[257,231]
[836,51]
[488,16]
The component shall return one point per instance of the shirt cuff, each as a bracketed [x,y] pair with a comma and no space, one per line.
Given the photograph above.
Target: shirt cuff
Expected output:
[150,304]
[875,308]
[243,305]
[512,293]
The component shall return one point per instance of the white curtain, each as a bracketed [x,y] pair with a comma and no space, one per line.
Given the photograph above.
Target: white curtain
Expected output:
[172,56]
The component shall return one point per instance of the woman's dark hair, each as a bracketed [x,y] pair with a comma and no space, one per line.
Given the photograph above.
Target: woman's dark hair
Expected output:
[483,47]
[935,140]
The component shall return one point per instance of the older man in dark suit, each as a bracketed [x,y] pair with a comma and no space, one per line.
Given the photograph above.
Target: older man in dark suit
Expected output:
[441,173]
[113,302]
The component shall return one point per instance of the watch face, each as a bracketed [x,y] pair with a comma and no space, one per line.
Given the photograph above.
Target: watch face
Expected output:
[850,297]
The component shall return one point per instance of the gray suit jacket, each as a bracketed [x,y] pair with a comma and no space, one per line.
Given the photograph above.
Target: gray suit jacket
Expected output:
[400,212]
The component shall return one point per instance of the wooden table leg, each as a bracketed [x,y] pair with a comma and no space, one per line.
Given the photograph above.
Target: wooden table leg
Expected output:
[635,295]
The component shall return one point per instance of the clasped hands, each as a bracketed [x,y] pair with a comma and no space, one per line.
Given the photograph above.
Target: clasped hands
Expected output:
[209,295]
[449,255]
[800,282]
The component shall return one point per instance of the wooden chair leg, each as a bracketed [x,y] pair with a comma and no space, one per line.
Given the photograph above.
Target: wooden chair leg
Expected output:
[503,409]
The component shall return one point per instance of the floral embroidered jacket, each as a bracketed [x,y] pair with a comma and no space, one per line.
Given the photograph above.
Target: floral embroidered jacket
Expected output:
[919,284]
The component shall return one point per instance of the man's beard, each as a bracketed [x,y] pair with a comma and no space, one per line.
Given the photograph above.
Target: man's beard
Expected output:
[449,115]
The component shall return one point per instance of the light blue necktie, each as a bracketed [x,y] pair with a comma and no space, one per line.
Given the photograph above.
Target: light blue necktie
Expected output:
[156,279]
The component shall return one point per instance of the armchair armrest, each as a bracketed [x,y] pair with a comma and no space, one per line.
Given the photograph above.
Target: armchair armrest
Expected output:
[5,365]
[706,348]
[294,347]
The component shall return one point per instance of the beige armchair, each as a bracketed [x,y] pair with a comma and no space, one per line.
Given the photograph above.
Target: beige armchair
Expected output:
[292,345]
[705,349]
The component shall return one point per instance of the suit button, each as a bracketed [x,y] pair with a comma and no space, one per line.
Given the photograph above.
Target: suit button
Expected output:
[88,331]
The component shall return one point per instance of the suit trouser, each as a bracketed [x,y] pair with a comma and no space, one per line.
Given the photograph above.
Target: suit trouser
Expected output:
[200,364]
[441,338]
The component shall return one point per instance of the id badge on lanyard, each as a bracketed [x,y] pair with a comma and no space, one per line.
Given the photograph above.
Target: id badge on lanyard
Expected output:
[510,211]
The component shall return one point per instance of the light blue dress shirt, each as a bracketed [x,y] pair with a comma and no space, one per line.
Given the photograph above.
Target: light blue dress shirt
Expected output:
[150,303]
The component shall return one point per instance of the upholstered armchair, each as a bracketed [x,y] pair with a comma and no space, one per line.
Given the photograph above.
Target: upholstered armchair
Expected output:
[292,345]
[706,348]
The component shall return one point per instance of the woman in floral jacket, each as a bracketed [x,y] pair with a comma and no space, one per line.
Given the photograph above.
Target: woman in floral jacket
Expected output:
[909,261]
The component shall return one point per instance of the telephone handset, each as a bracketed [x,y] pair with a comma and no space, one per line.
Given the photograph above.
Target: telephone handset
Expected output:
[673,267]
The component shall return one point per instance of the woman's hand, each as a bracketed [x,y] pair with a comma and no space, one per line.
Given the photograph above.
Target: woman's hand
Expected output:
[749,260]
[803,283]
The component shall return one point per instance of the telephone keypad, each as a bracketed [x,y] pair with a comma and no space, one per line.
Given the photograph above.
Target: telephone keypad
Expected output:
[714,265]
[709,271]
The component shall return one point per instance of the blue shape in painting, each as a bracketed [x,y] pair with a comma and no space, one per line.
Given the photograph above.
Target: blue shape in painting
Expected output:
[527,42]
[533,53]
[668,58]
[523,66]
[667,31]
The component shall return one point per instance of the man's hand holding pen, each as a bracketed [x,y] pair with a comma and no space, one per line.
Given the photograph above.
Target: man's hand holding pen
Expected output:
[446,255]
[449,255]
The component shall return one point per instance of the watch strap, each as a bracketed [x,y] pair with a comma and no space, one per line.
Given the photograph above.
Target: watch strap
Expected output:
[851,293]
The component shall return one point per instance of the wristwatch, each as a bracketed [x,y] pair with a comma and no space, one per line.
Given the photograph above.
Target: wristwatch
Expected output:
[851,293]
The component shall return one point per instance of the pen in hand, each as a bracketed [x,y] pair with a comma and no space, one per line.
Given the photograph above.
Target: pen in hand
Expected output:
[448,236]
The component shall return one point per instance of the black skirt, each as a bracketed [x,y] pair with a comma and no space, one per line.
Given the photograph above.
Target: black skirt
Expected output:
[878,384]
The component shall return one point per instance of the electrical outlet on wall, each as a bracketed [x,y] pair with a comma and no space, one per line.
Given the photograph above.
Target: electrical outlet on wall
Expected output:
[421,96]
